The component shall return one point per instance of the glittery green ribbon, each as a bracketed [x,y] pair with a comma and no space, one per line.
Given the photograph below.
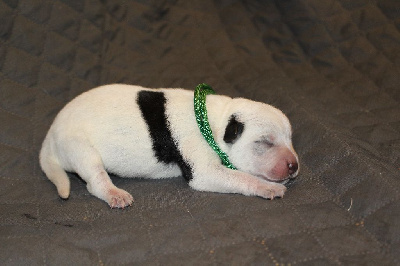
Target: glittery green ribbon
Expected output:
[200,111]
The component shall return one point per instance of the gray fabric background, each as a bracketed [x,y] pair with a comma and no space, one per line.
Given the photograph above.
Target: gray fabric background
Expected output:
[331,66]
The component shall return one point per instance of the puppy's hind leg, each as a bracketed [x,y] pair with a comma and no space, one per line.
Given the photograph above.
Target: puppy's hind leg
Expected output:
[100,185]
[88,164]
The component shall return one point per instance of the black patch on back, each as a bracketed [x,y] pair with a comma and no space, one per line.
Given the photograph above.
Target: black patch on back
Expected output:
[152,105]
[233,130]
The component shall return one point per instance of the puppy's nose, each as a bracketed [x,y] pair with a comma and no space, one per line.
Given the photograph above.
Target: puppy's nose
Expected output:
[293,168]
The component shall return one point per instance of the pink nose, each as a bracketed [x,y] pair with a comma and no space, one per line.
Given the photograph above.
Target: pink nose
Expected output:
[292,168]
[286,167]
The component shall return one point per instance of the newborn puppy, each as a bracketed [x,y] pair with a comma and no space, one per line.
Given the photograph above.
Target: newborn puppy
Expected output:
[133,131]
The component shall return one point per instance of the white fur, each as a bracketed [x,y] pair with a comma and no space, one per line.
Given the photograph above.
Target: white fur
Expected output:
[103,131]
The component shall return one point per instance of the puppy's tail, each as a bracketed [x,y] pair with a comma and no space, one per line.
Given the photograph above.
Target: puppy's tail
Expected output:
[53,170]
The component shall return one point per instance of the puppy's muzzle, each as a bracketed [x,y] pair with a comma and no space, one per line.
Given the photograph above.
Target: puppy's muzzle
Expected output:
[292,169]
[287,166]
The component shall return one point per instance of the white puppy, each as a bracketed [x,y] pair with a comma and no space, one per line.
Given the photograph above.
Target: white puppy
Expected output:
[133,131]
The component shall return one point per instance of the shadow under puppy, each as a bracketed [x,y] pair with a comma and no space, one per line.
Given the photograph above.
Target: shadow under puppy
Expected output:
[133,131]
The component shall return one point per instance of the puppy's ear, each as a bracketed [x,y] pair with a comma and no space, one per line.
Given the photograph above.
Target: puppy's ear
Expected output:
[233,130]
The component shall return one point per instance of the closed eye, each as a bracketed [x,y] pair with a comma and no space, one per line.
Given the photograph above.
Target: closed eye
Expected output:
[266,142]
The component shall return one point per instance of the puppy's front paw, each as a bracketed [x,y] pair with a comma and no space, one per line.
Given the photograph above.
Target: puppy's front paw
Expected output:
[119,198]
[271,191]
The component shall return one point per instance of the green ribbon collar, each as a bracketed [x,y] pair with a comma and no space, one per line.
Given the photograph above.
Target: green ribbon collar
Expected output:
[200,110]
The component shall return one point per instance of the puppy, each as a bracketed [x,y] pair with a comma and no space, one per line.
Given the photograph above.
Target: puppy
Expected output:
[133,131]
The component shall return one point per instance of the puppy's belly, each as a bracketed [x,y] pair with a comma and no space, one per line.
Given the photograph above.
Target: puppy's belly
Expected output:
[135,161]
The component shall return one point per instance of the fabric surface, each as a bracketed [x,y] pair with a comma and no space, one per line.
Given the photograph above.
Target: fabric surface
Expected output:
[331,66]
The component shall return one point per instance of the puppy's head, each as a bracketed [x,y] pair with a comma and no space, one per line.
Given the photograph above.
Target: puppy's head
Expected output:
[258,140]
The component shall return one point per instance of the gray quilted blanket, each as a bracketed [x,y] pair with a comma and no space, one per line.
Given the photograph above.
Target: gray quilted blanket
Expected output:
[332,66]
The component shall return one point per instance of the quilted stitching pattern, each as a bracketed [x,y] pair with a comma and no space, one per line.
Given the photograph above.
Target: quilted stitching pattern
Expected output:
[332,66]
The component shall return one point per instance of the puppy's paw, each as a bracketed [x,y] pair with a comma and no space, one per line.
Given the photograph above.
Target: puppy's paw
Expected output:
[119,198]
[271,191]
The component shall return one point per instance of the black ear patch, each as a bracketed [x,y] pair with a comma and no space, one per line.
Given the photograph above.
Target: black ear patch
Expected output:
[233,130]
